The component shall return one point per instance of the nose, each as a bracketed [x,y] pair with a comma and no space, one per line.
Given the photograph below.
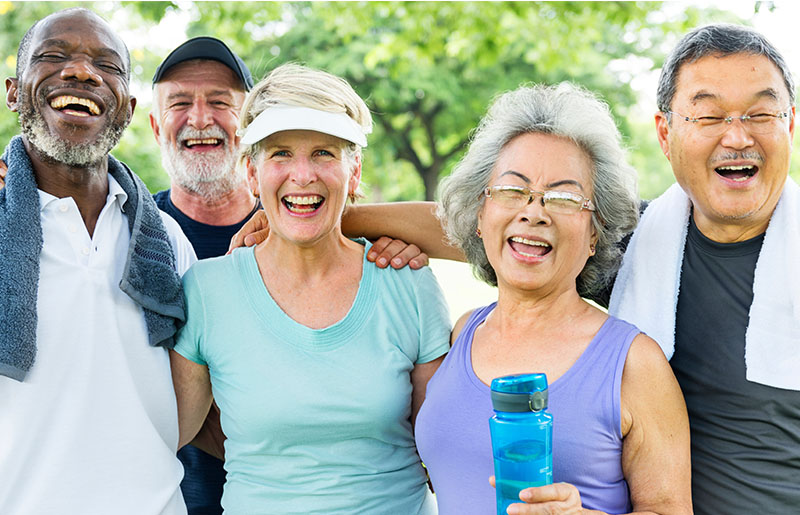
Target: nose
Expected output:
[303,173]
[737,135]
[81,70]
[535,213]
[200,115]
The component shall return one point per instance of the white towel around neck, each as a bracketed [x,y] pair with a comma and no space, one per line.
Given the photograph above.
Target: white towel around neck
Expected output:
[646,289]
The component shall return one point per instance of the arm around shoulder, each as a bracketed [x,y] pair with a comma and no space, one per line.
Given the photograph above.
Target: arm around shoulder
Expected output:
[411,222]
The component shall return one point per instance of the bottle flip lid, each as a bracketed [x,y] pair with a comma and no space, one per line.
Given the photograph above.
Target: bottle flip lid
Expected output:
[520,393]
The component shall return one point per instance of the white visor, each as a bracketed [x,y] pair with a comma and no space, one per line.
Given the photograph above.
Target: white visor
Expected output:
[286,118]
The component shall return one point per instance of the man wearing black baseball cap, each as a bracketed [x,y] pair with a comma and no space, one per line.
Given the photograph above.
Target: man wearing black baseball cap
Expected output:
[198,91]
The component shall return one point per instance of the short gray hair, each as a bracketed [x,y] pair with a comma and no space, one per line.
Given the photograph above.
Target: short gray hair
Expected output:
[722,39]
[563,110]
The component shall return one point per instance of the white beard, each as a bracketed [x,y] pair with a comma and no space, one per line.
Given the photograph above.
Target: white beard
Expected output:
[210,174]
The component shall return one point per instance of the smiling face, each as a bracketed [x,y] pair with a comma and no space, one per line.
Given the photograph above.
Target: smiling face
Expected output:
[73,96]
[304,179]
[734,180]
[530,248]
[195,116]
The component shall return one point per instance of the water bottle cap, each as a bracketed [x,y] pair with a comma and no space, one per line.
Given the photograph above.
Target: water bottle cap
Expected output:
[520,393]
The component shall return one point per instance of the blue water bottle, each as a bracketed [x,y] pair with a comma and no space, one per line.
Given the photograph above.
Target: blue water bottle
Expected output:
[522,436]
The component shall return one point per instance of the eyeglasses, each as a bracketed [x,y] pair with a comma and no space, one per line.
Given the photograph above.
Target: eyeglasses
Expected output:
[517,197]
[758,123]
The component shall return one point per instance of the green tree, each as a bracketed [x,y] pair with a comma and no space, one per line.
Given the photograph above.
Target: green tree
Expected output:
[428,70]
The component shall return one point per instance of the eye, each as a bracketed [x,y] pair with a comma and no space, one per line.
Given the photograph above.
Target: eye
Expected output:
[709,120]
[179,105]
[762,117]
[280,153]
[324,152]
[110,67]
[220,104]
[51,56]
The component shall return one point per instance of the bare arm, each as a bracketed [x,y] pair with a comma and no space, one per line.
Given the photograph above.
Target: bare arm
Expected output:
[655,447]
[420,376]
[193,391]
[412,222]
[655,452]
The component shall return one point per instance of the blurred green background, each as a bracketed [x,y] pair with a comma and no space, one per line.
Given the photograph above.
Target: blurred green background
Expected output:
[427,70]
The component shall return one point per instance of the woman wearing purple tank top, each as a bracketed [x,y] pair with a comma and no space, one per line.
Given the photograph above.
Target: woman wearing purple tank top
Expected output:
[538,205]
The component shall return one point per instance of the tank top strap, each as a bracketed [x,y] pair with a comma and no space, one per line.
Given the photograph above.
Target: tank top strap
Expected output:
[599,370]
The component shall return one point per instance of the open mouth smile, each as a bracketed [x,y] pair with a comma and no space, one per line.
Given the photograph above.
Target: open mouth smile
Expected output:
[529,248]
[303,204]
[737,173]
[202,144]
[75,106]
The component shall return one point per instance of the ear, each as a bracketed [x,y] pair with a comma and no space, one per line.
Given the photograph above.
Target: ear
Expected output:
[252,174]
[662,132]
[791,125]
[133,105]
[155,127]
[355,176]
[11,93]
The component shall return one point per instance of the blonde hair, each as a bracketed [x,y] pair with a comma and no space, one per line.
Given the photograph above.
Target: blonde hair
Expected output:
[301,86]
[297,85]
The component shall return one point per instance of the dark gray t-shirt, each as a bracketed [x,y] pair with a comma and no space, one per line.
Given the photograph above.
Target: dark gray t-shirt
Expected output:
[745,436]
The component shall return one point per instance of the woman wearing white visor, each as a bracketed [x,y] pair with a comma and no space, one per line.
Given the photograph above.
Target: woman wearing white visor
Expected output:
[317,361]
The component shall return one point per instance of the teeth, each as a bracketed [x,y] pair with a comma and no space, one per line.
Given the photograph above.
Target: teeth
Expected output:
[65,100]
[741,179]
[206,141]
[526,241]
[735,168]
[314,199]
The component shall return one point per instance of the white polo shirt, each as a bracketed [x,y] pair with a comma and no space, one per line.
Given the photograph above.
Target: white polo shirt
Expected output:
[93,429]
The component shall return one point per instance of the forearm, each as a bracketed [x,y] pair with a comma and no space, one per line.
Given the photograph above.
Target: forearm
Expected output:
[193,394]
[211,439]
[412,222]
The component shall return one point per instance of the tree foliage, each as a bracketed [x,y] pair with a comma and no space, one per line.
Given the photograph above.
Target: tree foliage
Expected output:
[428,70]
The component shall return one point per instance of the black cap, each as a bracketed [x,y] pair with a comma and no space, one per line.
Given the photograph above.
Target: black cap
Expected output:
[205,47]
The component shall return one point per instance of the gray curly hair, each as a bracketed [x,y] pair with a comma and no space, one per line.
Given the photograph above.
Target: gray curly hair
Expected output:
[563,110]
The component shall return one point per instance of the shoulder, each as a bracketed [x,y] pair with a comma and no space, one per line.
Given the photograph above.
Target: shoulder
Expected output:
[460,323]
[184,252]
[647,377]
[161,199]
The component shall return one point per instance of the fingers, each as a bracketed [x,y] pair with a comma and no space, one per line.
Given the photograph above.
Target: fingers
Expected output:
[3,171]
[386,251]
[555,498]
[256,237]
[253,232]
[376,254]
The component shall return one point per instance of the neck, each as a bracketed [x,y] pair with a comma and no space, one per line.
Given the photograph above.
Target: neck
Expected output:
[733,231]
[227,209]
[529,313]
[308,264]
[88,186]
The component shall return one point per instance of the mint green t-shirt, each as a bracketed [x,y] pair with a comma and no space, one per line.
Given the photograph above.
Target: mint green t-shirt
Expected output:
[317,420]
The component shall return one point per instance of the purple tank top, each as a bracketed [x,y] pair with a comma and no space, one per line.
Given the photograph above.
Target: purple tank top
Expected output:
[452,428]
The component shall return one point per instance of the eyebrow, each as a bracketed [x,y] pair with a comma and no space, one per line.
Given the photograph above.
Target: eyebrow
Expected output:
[187,94]
[563,182]
[769,93]
[60,43]
[551,185]
[516,174]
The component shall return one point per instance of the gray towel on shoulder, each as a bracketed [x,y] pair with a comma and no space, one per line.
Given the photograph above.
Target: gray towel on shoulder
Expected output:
[149,278]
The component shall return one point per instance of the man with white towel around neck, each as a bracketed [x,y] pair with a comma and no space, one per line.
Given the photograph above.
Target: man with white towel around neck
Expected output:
[710,272]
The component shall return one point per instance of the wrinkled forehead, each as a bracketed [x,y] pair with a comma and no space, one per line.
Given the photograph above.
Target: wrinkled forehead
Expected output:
[78,29]
[206,73]
[734,78]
